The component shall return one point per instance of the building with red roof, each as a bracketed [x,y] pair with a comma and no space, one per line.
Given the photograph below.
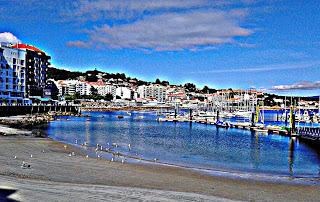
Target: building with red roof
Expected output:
[37,62]
[27,47]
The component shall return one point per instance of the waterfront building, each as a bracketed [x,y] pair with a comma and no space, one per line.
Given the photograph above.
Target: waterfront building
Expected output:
[37,62]
[152,91]
[103,88]
[176,97]
[83,88]
[12,74]
[70,87]
[124,93]
[110,89]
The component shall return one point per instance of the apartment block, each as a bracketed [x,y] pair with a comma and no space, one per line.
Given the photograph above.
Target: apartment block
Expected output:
[12,74]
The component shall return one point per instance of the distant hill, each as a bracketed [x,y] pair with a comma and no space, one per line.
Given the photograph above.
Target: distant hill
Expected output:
[90,75]
[61,74]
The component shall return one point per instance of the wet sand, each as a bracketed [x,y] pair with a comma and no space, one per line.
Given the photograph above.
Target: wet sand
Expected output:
[54,175]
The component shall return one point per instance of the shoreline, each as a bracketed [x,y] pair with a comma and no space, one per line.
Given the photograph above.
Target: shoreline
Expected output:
[55,166]
[214,172]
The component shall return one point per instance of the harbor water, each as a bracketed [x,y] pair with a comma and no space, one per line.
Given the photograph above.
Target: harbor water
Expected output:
[194,145]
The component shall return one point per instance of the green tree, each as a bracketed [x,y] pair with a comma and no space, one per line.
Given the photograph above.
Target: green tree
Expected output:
[190,87]
[205,89]
[4,101]
[93,91]
[68,97]
[158,81]
[108,97]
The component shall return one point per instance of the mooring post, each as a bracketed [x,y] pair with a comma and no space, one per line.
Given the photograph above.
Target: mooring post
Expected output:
[217,115]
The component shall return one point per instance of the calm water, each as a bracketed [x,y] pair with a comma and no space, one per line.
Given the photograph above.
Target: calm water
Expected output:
[194,145]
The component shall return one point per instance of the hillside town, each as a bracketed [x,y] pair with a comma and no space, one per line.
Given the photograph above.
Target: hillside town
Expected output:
[28,78]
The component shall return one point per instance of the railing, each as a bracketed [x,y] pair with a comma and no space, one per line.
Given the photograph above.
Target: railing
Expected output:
[12,110]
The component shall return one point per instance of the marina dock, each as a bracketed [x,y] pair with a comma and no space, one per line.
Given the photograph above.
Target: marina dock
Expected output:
[309,133]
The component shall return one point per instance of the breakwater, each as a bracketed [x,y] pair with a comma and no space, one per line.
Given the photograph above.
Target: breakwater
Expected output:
[32,109]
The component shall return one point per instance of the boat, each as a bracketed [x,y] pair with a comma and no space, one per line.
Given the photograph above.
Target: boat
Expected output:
[263,130]
[129,113]
[243,114]
[306,116]
[222,124]
[120,117]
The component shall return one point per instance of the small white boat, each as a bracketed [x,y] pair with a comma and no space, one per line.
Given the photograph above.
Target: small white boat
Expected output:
[243,114]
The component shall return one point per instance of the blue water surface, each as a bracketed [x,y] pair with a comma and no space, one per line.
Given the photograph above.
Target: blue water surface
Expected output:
[193,145]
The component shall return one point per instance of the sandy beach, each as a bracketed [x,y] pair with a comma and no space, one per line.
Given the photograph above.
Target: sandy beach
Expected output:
[56,176]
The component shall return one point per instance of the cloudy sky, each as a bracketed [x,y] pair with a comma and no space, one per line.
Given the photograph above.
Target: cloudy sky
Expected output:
[270,45]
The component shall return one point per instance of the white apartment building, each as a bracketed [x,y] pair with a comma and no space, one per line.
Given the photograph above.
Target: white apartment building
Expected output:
[12,74]
[110,89]
[105,89]
[70,87]
[124,93]
[82,88]
[153,91]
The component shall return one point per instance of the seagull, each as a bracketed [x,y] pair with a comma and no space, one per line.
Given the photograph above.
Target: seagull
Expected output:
[122,161]
[15,157]
[70,154]
[87,156]
[65,146]
[129,146]
[30,155]
[73,154]
[43,151]
[112,159]
[155,160]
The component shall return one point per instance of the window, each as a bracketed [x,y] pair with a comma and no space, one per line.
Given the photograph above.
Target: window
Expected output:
[22,62]
[14,60]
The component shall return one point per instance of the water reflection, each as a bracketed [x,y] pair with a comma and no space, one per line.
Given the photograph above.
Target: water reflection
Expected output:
[191,144]
[291,155]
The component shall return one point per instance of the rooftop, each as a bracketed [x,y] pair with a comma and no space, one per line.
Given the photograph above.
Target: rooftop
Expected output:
[28,47]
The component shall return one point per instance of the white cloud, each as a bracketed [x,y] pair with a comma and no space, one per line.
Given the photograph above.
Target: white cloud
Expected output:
[9,38]
[305,85]
[79,44]
[87,10]
[263,68]
[170,31]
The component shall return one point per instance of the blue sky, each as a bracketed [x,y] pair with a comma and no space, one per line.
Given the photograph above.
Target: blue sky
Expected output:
[270,45]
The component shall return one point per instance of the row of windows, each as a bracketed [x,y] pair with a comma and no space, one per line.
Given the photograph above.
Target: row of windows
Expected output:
[17,61]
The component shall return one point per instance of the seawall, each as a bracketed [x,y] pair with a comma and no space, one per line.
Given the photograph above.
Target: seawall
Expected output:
[31,109]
